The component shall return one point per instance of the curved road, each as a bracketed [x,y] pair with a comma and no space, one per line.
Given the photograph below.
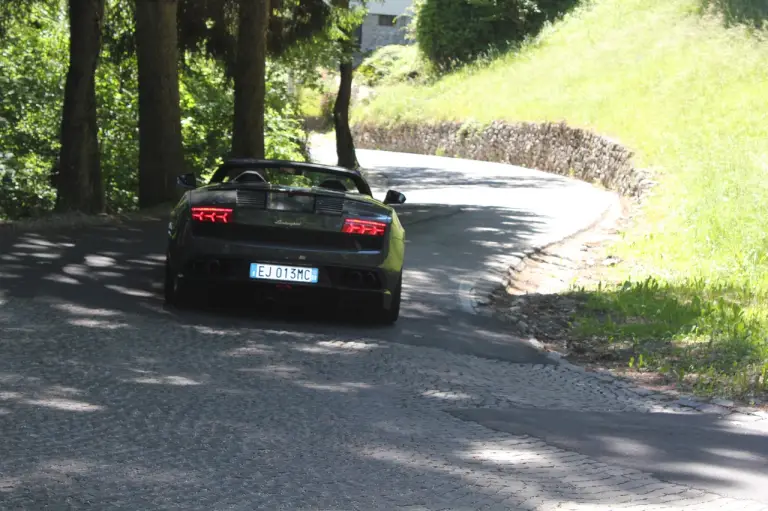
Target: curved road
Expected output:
[108,401]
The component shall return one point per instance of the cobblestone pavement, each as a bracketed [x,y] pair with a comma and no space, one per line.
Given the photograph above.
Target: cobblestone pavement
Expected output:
[102,410]
[108,401]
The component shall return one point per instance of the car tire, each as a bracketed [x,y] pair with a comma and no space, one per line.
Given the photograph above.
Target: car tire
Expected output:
[390,316]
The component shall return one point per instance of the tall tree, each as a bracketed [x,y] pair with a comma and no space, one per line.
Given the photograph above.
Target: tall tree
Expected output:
[250,79]
[161,155]
[345,144]
[213,25]
[242,34]
[78,180]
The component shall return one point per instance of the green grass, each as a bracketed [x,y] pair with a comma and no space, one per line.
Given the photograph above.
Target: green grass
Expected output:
[693,330]
[689,93]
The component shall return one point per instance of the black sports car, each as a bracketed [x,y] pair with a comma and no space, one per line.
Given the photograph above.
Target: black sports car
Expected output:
[275,226]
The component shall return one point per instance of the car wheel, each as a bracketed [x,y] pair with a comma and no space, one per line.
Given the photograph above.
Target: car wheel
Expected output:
[390,316]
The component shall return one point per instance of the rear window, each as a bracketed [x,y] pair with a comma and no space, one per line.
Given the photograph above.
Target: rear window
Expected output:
[288,176]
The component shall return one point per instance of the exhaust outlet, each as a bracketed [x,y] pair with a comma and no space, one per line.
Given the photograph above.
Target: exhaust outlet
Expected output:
[370,279]
[356,277]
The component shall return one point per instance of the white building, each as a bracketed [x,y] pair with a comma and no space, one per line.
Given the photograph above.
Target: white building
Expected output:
[384,24]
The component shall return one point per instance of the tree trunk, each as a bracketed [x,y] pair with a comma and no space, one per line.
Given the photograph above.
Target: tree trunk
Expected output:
[161,155]
[345,145]
[79,181]
[250,79]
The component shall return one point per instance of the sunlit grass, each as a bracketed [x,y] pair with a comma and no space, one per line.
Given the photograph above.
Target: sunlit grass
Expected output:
[690,96]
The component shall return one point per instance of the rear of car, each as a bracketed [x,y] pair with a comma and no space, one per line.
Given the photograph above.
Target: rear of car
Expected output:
[312,241]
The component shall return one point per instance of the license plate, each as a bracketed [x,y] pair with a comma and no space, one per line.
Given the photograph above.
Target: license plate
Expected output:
[284,273]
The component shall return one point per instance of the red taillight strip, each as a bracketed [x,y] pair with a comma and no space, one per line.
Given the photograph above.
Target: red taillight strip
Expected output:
[211,214]
[365,227]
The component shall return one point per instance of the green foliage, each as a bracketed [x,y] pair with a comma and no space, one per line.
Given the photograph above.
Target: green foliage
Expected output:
[325,49]
[21,11]
[33,66]
[118,109]
[740,12]
[210,26]
[317,99]
[309,102]
[29,110]
[455,32]
[284,134]
[392,64]
[207,103]
[452,32]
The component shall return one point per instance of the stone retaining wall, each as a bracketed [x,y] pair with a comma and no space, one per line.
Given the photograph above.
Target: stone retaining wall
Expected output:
[550,147]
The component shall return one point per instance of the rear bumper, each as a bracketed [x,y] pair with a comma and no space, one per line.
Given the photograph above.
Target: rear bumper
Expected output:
[219,264]
[240,292]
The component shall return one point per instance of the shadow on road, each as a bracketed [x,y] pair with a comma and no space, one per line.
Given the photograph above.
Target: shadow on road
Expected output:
[120,268]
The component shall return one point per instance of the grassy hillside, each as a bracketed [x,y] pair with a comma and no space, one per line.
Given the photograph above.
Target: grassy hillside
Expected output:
[691,97]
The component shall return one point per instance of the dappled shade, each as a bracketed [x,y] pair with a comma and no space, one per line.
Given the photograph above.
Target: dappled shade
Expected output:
[752,13]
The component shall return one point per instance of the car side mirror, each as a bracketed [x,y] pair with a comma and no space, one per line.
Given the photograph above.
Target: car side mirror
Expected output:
[187,181]
[394,197]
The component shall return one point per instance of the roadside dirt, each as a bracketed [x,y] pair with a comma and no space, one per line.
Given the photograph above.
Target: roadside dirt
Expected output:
[536,300]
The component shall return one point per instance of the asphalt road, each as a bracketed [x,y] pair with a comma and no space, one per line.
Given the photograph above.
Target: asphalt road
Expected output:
[109,401]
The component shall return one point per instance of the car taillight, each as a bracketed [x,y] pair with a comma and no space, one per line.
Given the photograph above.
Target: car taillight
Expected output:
[367,227]
[212,215]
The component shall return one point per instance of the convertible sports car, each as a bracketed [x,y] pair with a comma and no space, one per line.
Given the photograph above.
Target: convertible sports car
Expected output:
[291,228]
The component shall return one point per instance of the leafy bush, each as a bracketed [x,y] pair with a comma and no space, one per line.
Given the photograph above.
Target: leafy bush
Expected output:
[455,32]
[451,32]
[392,64]
[740,12]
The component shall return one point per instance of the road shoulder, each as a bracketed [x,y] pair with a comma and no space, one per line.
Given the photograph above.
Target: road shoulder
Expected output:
[535,304]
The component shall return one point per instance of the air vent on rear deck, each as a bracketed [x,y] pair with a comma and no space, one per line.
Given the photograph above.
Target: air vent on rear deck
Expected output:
[329,205]
[251,199]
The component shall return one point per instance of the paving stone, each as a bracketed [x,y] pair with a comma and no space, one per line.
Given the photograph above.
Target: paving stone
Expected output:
[169,415]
